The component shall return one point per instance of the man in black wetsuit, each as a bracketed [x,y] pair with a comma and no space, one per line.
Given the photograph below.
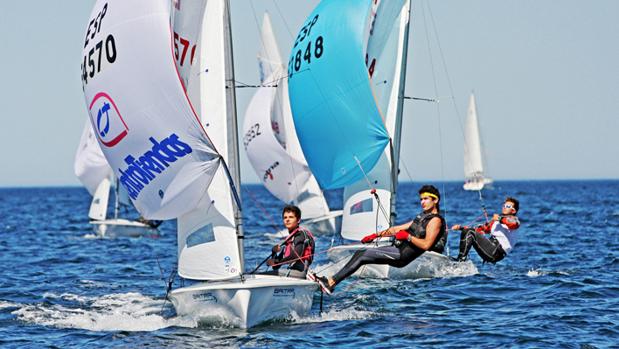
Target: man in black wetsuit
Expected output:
[427,232]
[298,248]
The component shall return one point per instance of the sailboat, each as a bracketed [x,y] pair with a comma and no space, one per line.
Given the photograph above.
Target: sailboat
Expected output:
[179,159]
[271,143]
[92,169]
[474,178]
[347,100]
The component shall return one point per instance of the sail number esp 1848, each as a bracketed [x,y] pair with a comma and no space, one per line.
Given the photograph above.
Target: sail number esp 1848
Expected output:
[305,53]
[105,48]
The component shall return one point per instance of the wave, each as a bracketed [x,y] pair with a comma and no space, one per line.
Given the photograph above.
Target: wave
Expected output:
[113,312]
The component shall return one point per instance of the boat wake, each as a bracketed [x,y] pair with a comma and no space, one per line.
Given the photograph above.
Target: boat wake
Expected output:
[113,312]
[334,315]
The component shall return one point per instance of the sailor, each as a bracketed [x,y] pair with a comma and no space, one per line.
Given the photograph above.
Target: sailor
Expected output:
[296,252]
[502,230]
[427,232]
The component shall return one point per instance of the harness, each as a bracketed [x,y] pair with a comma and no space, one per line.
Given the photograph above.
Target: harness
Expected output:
[418,229]
[308,247]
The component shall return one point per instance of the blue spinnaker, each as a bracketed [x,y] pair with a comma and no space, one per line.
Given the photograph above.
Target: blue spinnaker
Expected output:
[339,126]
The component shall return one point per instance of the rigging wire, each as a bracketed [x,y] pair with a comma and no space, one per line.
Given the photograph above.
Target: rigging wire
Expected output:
[438,108]
[453,99]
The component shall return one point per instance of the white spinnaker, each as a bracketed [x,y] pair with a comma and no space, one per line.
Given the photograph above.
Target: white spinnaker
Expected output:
[385,46]
[281,174]
[98,206]
[207,240]
[90,165]
[270,139]
[148,131]
[472,146]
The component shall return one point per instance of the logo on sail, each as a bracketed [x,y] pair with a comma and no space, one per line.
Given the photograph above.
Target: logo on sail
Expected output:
[109,124]
[268,174]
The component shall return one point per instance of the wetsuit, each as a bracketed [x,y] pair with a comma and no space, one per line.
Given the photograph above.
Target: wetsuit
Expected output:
[401,253]
[502,239]
[294,247]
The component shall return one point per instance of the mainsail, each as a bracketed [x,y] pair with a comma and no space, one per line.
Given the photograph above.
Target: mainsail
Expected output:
[381,43]
[473,164]
[207,242]
[270,139]
[90,165]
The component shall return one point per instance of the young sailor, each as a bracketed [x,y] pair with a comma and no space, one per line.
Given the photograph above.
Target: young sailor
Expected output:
[427,232]
[502,230]
[298,248]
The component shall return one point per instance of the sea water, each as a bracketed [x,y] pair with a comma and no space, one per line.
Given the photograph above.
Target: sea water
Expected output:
[63,286]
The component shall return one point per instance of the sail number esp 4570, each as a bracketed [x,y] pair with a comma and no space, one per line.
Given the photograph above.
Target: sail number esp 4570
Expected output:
[305,53]
[105,48]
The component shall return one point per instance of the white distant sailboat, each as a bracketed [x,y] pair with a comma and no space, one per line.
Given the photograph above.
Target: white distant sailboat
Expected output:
[474,178]
[157,142]
[350,129]
[271,143]
[93,171]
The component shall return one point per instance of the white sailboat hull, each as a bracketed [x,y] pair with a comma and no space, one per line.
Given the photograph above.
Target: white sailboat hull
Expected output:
[478,184]
[121,227]
[428,265]
[247,303]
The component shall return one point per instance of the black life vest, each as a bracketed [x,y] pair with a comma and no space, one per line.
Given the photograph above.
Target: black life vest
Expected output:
[418,229]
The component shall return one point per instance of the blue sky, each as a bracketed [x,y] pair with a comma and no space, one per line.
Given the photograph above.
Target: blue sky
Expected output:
[545,74]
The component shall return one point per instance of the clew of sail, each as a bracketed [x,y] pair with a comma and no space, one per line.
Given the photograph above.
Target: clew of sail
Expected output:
[338,123]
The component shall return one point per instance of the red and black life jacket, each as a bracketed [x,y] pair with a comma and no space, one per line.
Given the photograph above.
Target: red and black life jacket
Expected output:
[308,247]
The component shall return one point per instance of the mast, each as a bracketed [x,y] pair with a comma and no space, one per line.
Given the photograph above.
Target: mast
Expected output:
[395,146]
[116,199]
[233,149]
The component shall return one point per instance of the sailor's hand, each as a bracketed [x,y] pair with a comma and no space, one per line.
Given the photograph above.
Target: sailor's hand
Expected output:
[276,249]
[456,227]
[495,217]
[271,262]
[402,235]
[369,238]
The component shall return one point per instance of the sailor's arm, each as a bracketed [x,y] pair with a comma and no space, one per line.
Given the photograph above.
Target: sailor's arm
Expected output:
[396,228]
[432,230]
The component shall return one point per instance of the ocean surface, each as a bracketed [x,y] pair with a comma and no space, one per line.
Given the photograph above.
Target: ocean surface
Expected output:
[62,286]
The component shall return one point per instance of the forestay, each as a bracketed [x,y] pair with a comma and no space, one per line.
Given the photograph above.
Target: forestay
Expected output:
[207,242]
[139,111]
[338,123]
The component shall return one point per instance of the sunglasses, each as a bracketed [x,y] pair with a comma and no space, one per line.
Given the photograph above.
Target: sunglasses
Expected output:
[508,206]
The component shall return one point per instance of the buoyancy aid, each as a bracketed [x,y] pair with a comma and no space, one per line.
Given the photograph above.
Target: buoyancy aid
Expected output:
[307,256]
[418,229]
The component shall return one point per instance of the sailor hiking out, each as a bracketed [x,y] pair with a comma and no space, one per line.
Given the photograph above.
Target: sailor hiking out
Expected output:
[427,232]
[502,229]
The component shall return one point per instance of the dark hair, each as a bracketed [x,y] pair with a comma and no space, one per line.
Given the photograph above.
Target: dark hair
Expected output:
[513,201]
[292,208]
[432,190]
